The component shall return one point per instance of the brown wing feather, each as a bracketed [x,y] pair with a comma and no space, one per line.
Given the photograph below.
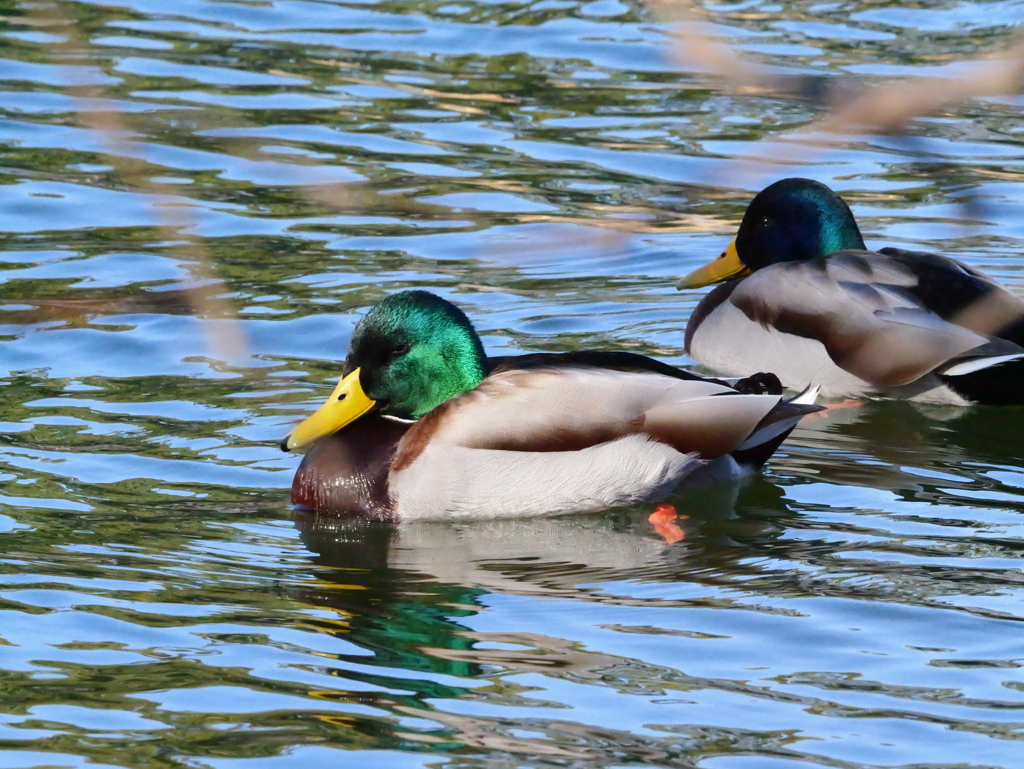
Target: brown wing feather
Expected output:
[861,307]
[573,408]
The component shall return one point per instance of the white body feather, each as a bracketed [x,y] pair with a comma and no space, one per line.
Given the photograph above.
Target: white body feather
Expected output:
[731,343]
[455,482]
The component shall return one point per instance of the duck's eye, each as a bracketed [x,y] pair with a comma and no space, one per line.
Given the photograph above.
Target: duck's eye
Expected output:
[399,349]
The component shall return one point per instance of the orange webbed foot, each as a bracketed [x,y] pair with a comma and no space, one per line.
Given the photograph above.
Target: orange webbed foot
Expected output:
[663,519]
[847,404]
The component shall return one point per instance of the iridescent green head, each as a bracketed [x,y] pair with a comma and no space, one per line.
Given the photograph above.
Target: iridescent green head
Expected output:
[414,351]
[793,220]
[790,221]
[410,353]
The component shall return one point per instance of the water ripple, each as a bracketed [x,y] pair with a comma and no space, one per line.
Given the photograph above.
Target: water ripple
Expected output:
[544,165]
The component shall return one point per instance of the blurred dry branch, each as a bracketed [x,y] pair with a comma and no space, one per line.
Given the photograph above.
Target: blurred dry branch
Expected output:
[205,293]
[852,105]
[697,50]
[889,107]
[849,104]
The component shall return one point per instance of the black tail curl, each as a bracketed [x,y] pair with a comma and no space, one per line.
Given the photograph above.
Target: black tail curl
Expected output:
[1001,384]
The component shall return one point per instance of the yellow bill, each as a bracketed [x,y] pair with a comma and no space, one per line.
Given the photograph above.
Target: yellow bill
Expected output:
[727,265]
[347,403]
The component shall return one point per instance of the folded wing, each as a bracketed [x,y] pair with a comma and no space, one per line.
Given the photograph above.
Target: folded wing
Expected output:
[566,439]
[876,314]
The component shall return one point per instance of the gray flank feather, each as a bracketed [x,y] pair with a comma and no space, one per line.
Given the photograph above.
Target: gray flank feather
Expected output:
[449,481]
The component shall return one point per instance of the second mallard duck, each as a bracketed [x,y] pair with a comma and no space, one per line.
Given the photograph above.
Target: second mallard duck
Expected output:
[515,436]
[807,300]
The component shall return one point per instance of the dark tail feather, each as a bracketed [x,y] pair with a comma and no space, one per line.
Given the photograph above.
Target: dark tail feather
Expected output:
[763,383]
[775,428]
[992,381]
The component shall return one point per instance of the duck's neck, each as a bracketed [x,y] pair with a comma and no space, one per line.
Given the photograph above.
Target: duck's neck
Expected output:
[454,373]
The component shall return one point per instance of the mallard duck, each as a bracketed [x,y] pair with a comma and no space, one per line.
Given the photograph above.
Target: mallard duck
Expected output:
[434,428]
[805,299]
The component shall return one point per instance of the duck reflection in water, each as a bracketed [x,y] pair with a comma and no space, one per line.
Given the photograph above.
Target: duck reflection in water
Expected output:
[383,607]
[409,593]
[535,556]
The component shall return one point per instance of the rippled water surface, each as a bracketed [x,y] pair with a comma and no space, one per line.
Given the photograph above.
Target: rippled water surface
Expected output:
[543,164]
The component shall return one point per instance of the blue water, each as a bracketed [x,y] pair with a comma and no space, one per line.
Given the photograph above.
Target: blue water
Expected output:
[548,167]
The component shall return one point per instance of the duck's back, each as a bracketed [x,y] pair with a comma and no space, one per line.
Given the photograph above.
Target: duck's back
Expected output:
[962,295]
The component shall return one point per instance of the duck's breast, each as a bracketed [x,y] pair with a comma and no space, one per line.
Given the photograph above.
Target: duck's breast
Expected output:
[347,473]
